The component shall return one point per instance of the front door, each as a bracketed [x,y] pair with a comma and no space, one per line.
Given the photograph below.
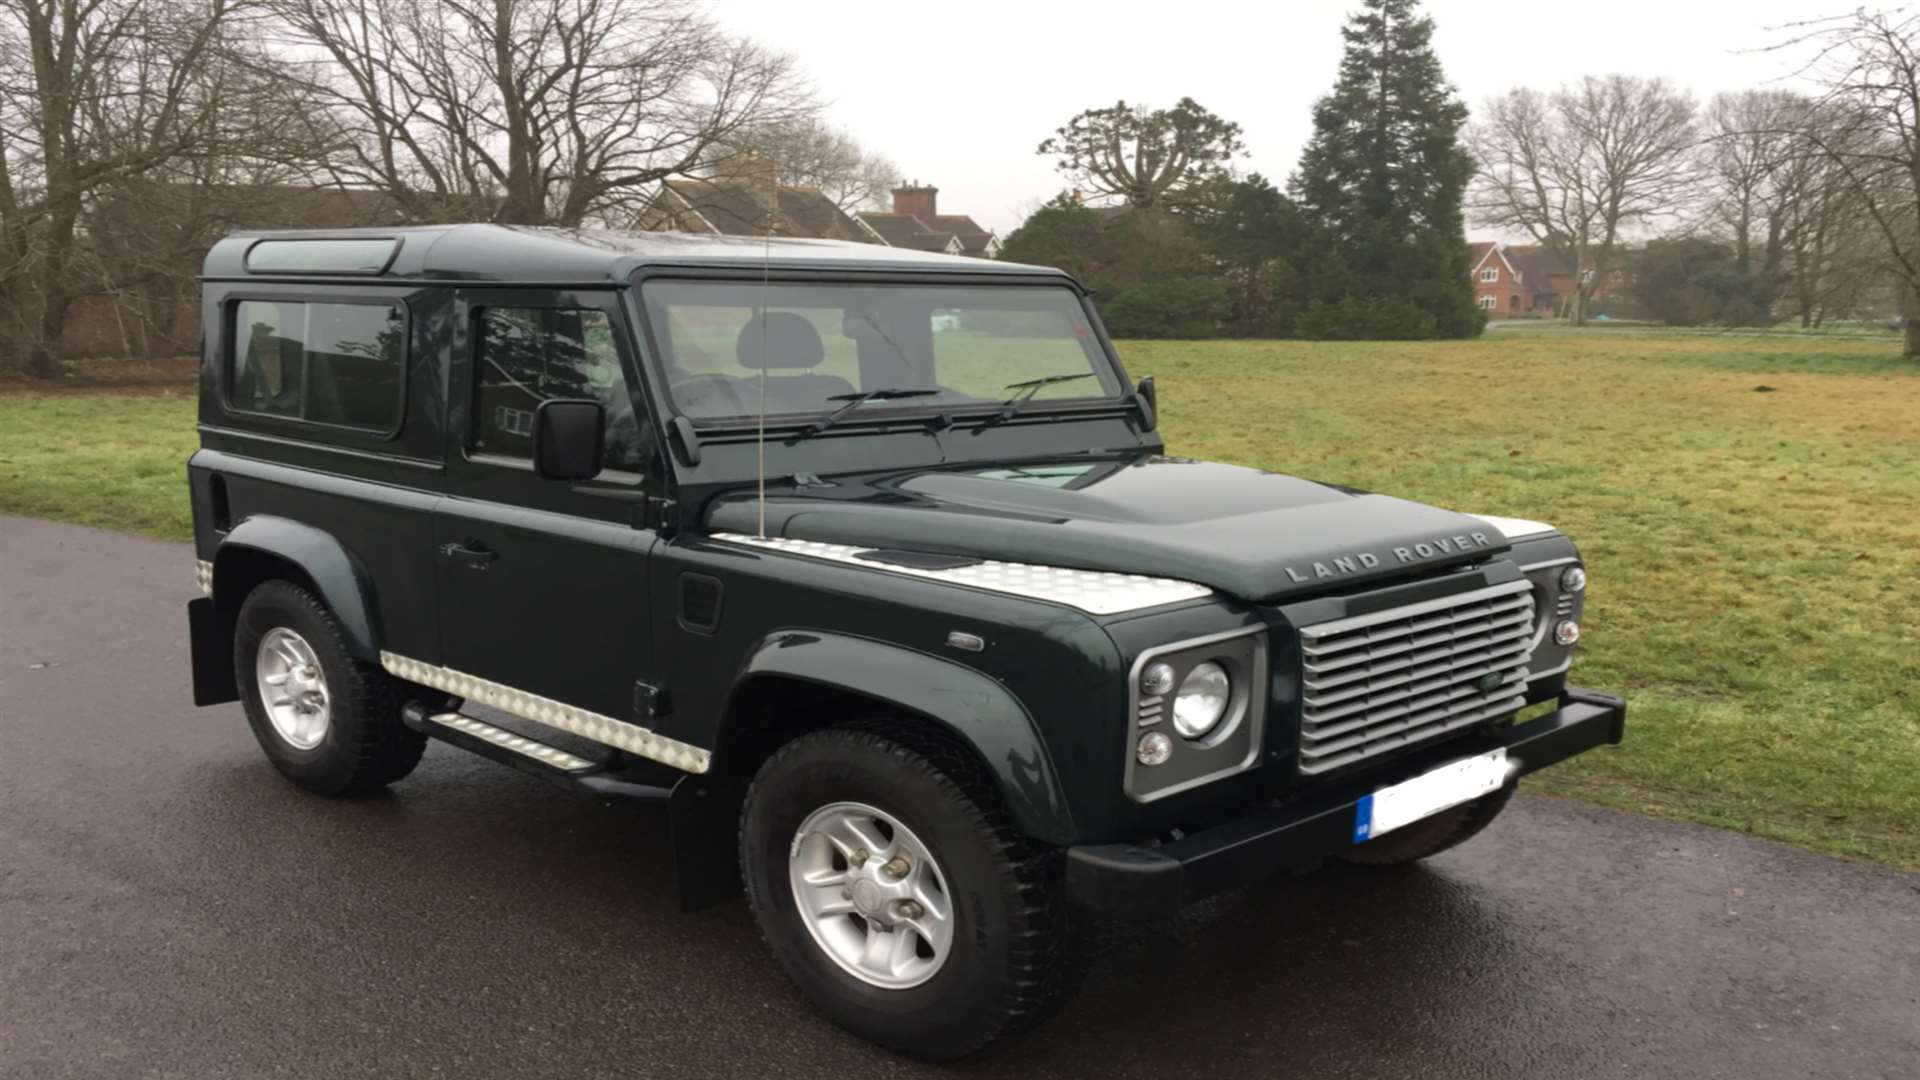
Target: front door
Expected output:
[543,584]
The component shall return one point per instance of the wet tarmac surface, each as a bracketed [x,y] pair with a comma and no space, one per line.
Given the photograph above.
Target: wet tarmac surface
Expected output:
[169,907]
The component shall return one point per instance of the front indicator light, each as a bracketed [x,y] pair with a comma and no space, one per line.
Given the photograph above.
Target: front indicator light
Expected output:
[1154,748]
[1156,680]
[1202,701]
[1566,632]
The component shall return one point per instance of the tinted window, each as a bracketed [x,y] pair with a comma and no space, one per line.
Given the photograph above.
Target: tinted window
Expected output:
[325,363]
[531,355]
[320,256]
[822,342]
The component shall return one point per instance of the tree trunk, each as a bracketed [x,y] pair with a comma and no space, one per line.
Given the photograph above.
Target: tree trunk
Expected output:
[1910,317]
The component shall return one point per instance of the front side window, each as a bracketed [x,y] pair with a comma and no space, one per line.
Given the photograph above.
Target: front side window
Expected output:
[727,347]
[529,355]
[336,364]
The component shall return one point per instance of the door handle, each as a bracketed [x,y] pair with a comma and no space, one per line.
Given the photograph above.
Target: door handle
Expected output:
[473,552]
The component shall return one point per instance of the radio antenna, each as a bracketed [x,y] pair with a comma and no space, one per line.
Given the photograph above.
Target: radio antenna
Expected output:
[766,275]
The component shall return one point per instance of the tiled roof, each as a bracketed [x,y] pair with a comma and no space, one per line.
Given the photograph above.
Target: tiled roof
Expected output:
[1537,266]
[972,236]
[896,229]
[733,208]
[909,231]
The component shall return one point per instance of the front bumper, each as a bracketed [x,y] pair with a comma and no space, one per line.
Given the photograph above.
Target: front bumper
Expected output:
[1140,882]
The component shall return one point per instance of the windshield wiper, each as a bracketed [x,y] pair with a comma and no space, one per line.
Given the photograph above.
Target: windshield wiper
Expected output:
[854,401]
[1029,387]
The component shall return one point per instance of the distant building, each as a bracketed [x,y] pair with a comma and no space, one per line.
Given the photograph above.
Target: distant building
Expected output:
[916,222]
[748,201]
[1523,280]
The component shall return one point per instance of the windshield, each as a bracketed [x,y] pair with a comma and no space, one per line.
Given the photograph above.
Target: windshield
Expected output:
[821,345]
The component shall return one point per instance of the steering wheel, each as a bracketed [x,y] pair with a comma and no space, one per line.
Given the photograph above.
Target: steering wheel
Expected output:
[704,385]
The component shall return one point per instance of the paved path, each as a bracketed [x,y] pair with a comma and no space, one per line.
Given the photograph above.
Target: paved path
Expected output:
[169,907]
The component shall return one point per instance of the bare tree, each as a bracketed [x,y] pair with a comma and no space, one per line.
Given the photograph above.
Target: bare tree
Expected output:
[1795,229]
[1753,162]
[1866,130]
[531,111]
[1578,169]
[94,95]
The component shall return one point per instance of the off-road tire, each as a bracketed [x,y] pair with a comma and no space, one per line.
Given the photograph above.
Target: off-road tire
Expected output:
[1431,836]
[1015,954]
[366,746]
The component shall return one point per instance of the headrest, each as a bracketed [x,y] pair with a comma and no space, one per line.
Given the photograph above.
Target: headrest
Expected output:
[791,342]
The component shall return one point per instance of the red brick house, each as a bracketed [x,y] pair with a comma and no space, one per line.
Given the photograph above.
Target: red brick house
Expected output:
[1524,281]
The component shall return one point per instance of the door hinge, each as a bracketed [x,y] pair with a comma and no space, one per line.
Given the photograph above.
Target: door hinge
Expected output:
[650,701]
[660,513]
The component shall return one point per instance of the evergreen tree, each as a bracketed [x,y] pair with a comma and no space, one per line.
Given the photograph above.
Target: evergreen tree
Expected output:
[1252,233]
[1382,182]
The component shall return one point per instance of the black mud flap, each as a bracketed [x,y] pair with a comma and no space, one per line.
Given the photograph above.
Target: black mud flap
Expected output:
[211,641]
[704,813]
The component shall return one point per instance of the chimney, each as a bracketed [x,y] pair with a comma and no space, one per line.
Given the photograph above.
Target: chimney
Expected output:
[753,169]
[916,200]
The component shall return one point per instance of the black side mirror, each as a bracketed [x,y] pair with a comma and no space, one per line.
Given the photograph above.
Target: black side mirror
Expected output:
[569,439]
[1149,401]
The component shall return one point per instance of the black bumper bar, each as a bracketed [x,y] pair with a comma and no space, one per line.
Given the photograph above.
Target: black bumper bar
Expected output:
[1141,882]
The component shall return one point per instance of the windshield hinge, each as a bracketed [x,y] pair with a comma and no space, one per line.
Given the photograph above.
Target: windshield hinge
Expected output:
[660,513]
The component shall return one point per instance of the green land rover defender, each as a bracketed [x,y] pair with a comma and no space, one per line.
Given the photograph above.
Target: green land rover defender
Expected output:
[869,564]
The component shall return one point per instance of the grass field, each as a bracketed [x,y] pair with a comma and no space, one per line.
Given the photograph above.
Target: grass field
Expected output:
[1749,507]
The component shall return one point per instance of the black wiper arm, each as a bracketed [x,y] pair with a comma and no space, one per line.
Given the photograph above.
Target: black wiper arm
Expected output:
[854,401]
[1029,387]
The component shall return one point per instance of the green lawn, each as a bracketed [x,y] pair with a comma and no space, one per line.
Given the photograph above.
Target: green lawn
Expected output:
[114,460]
[1749,506]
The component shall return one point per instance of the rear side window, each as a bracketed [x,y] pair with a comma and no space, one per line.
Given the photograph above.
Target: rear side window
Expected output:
[337,364]
[531,355]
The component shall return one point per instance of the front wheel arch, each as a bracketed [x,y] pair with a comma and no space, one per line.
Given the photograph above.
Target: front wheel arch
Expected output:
[796,682]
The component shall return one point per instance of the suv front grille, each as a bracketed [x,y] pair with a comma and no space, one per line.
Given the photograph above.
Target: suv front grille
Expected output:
[1375,683]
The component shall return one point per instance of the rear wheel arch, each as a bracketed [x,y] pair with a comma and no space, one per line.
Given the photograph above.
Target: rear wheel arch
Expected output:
[263,549]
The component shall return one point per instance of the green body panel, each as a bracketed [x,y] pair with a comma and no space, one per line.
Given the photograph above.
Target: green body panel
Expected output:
[1027,703]
[968,703]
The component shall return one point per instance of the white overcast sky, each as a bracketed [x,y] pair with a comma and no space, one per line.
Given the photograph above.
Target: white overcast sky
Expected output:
[960,94]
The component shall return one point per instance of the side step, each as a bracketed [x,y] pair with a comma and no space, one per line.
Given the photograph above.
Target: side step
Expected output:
[569,770]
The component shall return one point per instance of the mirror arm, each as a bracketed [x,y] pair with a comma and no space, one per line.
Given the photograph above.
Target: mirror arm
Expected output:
[1147,396]
[689,440]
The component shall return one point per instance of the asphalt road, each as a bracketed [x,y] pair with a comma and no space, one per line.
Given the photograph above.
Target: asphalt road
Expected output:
[170,907]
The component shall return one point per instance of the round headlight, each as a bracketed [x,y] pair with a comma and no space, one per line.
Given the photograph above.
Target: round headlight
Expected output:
[1154,748]
[1566,632]
[1156,680]
[1203,699]
[1573,579]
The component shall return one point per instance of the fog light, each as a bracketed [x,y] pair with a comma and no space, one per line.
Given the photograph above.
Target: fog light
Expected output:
[1154,748]
[1573,578]
[1566,631]
[1156,680]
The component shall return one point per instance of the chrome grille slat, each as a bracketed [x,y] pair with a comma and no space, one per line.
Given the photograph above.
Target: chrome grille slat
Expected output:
[1335,648]
[1417,683]
[1338,760]
[1377,682]
[1360,669]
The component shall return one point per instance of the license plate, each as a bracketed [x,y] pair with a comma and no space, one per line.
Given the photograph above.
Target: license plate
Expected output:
[1427,794]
